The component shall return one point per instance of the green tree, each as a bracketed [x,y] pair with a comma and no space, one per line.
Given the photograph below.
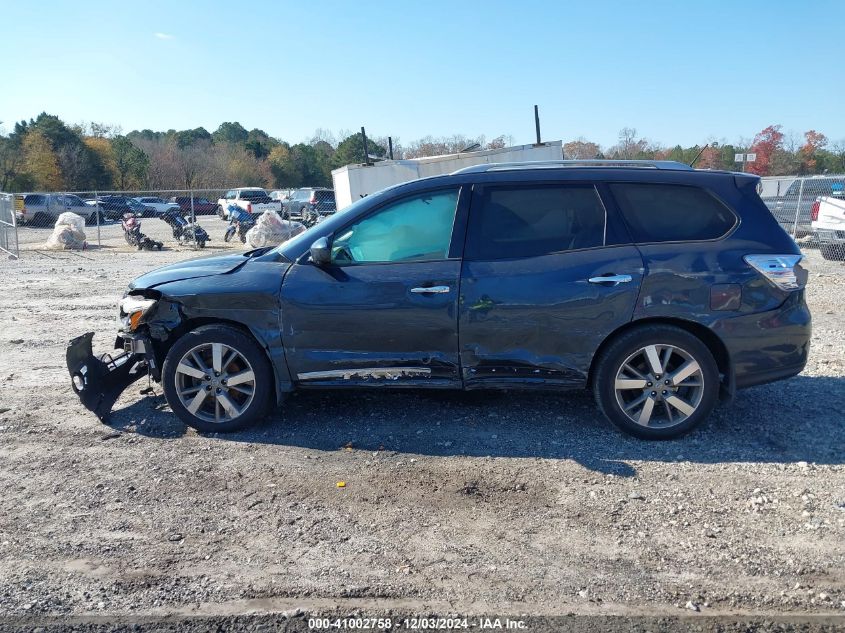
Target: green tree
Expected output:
[351,150]
[230,132]
[130,164]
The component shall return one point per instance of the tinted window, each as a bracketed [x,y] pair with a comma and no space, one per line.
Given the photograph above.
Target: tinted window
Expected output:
[512,222]
[671,213]
[34,200]
[417,228]
[324,196]
[254,195]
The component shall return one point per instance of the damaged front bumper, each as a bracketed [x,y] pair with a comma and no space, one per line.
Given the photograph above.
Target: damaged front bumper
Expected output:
[99,381]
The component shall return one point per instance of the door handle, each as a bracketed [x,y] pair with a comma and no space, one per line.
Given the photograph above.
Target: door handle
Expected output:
[611,279]
[435,290]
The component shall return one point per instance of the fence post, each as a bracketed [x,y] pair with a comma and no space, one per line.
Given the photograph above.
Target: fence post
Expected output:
[98,212]
[194,219]
[798,208]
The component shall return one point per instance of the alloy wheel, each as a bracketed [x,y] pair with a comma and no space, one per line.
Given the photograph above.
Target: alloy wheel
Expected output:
[659,386]
[215,382]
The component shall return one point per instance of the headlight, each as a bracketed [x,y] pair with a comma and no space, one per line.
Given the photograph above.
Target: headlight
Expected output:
[134,308]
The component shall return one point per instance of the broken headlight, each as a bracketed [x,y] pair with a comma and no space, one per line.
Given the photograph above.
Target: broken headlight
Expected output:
[132,309]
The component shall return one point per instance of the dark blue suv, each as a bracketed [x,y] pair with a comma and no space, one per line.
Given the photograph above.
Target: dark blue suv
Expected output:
[656,286]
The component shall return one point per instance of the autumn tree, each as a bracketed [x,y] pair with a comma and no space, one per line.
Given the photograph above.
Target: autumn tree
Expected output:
[813,143]
[580,149]
[41,162]
[130,164]
[765,144]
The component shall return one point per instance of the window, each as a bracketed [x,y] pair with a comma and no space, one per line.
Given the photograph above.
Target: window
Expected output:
[231,195]
[530,221]
[417,228]
[671,213]
[34,200]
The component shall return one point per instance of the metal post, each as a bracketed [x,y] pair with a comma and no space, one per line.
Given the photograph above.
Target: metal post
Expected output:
[798,208]
[366,151]
[390,147]
[537,123]
[97,207]
[194,219]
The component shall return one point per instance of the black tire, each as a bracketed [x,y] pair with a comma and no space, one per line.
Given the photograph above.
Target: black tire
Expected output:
[201,243]
[245,345]
[833,252]
[227,236]
[220,213]
[629,343]
[41,219]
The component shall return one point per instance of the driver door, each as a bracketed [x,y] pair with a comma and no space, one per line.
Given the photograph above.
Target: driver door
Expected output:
[384,311]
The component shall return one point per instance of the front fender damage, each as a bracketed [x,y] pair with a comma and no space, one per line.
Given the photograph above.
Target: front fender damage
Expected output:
[99,381]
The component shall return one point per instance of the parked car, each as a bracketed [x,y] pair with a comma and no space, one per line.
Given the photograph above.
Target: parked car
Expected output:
[202,206]
[309,204]
[828,215]
[113,207]
[42,209]
[252,199]
[659,287]
[807,190]
[155,206]
[281,194]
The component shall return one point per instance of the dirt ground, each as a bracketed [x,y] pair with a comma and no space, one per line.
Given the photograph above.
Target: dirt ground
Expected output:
[453,503]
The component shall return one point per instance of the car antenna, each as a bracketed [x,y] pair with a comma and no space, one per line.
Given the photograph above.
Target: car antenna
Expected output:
[697,156]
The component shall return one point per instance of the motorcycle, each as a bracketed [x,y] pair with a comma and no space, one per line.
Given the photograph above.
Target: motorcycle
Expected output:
[131,226]
[240,221]
[184,232]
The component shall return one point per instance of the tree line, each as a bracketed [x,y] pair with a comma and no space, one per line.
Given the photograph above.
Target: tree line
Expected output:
[47,154]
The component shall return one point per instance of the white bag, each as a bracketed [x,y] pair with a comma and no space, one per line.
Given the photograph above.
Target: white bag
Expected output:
[68,233]
[271,230]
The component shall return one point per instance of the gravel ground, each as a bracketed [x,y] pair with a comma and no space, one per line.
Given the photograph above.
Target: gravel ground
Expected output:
[453,502]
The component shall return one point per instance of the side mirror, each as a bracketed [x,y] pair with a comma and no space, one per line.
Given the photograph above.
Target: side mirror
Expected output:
[321,255]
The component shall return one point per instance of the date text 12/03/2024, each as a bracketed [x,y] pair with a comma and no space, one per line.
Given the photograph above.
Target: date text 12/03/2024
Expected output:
[416,624]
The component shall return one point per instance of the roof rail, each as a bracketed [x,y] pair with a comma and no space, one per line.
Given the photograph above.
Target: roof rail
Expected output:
[558,164]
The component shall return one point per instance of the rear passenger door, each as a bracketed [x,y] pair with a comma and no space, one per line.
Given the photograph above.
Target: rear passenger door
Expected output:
[546,277]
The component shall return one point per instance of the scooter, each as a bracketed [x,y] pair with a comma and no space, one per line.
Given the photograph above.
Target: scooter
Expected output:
[131,226]
[184,232]
[240,221]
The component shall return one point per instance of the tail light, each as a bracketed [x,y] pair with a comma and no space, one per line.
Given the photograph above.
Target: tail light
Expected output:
[783,271]
[814,212]
[249,207]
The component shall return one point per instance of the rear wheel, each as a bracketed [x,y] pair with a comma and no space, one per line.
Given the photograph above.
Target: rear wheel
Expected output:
[217,379]
[833,252]
[41,219]
[220,212]
[656,382]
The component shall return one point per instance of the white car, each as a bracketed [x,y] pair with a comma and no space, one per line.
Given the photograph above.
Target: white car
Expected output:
[157,204]
[252,199]
[828,215]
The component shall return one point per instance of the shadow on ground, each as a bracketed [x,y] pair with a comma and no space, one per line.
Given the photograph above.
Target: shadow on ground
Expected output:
[802,419]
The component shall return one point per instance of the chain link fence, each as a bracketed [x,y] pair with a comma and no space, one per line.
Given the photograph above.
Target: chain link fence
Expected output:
[8,226]
[811,209]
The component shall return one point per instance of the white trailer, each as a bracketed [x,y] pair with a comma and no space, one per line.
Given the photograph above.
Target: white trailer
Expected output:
[352,182]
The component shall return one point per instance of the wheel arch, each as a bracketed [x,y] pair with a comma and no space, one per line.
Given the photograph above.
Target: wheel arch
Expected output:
[162,347]
[707,336]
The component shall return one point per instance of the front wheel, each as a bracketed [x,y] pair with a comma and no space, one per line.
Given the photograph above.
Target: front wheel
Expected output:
[220,212]
[217,379]
[656,382]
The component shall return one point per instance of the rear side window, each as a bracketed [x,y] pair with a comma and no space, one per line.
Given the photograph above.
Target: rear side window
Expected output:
[324,196]
[34,200]
[671,213]
[509,222]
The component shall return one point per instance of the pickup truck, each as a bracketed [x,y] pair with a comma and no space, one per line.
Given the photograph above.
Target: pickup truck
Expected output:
[798,201]
[42,209]
[828,215]
[252,199]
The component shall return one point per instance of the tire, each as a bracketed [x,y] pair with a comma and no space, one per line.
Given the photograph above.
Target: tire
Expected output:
[41,219]
[696,394]
[220,212]
[833,252]
[227,236]
[248,357]
[201,243]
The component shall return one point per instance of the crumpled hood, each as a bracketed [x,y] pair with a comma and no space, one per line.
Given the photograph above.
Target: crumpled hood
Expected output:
[190,269]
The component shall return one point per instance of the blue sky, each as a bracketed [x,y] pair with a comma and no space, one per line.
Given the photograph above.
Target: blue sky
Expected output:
[679,72]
